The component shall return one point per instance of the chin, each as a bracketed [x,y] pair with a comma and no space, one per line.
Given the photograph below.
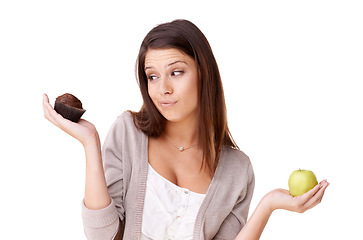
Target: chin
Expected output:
[176,117]
[171,117]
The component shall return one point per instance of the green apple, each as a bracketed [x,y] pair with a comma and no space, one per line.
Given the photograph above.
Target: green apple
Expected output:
[301,181]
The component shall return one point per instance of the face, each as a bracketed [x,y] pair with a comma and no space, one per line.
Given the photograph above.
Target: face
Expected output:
[172,83]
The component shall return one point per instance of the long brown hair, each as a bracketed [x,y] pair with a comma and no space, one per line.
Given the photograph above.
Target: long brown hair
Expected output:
[213,129]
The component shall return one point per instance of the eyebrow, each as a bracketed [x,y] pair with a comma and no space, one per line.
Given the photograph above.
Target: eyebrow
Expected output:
[170,64]
[178,61]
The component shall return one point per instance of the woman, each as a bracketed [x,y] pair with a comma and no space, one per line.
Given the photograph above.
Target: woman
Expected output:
[172,170]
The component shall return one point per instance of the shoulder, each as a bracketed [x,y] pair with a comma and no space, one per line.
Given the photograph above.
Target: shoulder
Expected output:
[236,168]
[234,159]
[123,128]
[126,122]
[125,119]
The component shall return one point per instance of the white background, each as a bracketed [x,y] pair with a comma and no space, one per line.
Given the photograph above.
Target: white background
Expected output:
[292,73]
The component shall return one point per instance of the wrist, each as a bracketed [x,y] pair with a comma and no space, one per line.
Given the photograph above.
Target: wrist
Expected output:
[91,142]
[268,202]
[92,149]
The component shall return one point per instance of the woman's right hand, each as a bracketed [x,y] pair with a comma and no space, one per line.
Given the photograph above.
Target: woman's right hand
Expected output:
[83,131]
[96,194]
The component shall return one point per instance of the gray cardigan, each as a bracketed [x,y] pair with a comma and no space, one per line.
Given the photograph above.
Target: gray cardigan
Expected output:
[222,214]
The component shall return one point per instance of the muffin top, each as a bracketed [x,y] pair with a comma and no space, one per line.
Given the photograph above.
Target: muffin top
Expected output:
[69,100]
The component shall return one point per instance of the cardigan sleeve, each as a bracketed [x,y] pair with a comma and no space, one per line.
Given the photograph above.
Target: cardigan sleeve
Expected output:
[104,223]
[237,218]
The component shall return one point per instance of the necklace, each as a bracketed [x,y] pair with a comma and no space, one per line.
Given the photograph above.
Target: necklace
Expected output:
[180,148]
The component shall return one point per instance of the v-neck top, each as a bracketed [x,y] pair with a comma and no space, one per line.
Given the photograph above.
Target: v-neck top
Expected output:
[221,215]
[170,211]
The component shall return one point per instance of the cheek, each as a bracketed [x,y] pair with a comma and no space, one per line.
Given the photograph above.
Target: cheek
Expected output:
[193,90]
[190,97]
[152,94]
[194,97]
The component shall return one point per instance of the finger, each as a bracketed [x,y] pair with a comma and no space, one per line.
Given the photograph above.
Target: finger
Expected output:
[322,182]
[317,198]
[53,116]
[313,203]
[48,109]
[307,196]
[46,105]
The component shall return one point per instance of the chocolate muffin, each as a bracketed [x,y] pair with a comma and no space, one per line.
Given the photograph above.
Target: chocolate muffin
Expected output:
[69,106]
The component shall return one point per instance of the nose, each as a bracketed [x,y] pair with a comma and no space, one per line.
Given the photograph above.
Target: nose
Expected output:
[165,86]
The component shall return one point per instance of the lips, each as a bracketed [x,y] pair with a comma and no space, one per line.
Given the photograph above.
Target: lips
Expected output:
[167,104]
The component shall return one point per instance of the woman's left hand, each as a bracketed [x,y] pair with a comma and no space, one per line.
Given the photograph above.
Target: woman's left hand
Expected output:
[281,198]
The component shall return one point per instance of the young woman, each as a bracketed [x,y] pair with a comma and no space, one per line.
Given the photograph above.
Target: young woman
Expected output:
[172,170]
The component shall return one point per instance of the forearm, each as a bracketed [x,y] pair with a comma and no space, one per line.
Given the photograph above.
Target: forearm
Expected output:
[96,192]
[280,199]
[257,222]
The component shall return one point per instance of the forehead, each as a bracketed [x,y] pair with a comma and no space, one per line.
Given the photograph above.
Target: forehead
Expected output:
[165,56]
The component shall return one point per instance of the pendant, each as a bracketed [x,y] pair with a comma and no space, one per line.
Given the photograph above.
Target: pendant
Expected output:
[181,149]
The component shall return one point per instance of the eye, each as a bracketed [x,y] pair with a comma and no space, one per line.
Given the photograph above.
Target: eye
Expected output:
[152,78]
[177,73]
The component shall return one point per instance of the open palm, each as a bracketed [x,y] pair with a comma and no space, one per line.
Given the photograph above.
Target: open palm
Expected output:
[281,198]
[83,130]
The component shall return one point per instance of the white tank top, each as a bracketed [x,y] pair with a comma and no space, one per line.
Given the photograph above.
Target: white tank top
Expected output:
[169,210]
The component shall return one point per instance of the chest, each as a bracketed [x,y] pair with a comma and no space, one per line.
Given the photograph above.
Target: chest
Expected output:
[169,211]
[182,168]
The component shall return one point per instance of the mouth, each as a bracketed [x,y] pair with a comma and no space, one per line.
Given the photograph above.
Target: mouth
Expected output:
[167,104]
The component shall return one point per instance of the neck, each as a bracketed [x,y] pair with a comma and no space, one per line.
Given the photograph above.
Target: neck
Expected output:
[182,133]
